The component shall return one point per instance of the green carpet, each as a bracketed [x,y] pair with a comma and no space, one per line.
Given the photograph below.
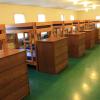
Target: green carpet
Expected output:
[79,81]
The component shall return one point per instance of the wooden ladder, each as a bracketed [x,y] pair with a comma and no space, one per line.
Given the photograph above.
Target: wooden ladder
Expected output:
[29,41]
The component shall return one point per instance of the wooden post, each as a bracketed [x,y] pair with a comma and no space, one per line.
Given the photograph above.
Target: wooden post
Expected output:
[3,38]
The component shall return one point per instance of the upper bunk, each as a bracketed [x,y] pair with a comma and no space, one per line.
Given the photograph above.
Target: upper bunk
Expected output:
[20,28]
[57,28]
[81,25]
[43,30]
[68,26]
[22,36]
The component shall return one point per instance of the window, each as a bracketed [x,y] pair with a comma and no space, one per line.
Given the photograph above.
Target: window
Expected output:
[72,17]
[97,17]
[41,18]
[19,18]
[62,17]
[98,24]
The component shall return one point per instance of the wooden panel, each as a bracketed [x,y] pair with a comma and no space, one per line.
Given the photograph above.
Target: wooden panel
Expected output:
[9,75]
[19,59]
[52,55]
[0,45]
[13,86]
[19,94]
[98,35]
[90,38]
[76,43]
[13,75]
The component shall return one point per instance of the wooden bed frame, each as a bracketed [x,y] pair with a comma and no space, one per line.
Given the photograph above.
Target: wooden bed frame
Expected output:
[43,27]
[75,24]
[57,28]
[67,25]
[81,25]
[24,28]
[34,30]
[86,24]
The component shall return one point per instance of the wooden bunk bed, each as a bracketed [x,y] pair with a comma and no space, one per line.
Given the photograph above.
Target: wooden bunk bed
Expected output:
[78,25]
[75,25]
[43,30]
[90,34]
[81,25]
[76,39]
[52,55]
[57,28]
[28,40]
[86,24]
[68,28]
[96,26]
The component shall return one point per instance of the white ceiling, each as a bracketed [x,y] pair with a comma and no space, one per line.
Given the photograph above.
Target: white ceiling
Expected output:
[66,4]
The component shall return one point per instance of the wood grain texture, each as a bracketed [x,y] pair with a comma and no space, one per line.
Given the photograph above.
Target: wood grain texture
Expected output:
[13,75]
[89,38]
[76,44]
[52,55]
